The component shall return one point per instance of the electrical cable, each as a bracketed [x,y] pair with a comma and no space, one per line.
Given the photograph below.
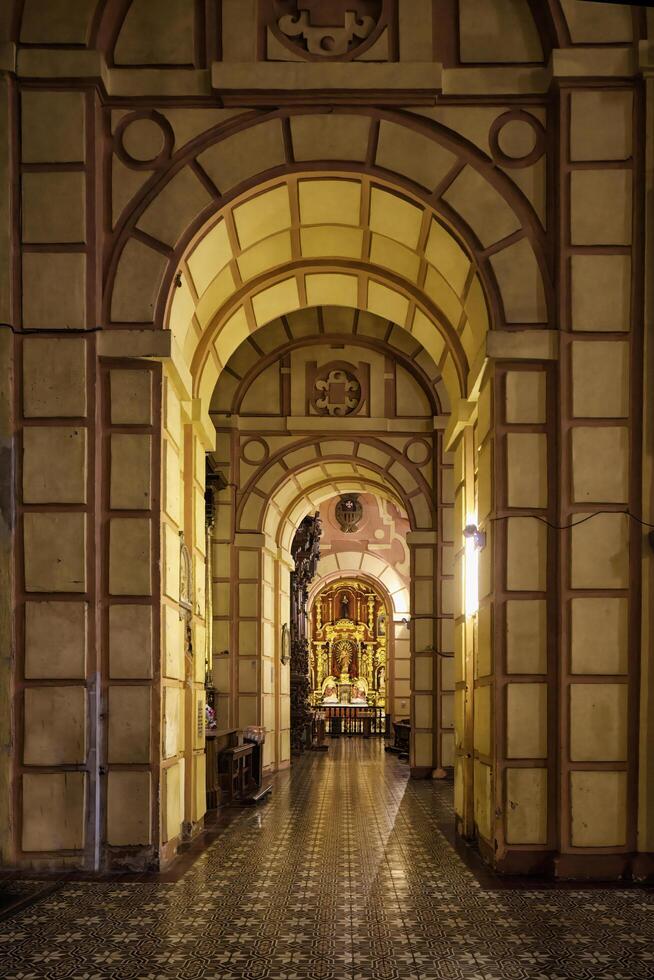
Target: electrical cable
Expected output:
[565,527]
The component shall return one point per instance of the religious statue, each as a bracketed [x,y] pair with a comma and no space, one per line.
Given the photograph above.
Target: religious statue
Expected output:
[359,692]
[329,692]
[345,606]
[344,656]
[365,666]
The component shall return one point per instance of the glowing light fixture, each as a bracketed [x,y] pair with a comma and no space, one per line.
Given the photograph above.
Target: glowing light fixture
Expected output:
[474,540]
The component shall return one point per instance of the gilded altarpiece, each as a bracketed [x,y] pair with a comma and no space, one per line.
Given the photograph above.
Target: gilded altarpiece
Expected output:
[348,654]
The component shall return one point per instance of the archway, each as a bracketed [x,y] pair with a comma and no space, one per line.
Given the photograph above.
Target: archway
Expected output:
[422,282]
[352,657]
[168,185]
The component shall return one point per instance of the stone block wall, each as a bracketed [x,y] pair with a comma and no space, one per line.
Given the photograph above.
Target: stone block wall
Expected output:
[130,456]
[56,582]
[600,375]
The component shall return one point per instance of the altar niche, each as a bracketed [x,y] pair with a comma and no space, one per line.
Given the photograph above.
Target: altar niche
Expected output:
[348,659]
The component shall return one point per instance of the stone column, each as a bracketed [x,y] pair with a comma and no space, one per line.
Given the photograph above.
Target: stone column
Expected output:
[283,568]
[8,317]
[517,497]
[249,549]
[131,393]
[58,664]
[600,418]
[424,677]
[225,576]
[505,669]
[645,861]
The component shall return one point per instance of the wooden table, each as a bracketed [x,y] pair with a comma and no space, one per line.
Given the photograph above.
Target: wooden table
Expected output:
[235,772]
[401,741]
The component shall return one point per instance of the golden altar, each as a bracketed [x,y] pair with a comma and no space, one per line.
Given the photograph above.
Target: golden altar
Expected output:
[348,651]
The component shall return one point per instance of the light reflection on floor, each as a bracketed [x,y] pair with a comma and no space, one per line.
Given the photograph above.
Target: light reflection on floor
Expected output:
[344,874]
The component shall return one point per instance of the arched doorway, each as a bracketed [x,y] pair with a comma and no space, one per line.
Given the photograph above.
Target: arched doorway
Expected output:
[351,656]
[289,458]
[200,223]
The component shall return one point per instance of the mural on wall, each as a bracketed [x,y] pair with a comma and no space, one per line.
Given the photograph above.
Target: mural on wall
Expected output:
[357,524]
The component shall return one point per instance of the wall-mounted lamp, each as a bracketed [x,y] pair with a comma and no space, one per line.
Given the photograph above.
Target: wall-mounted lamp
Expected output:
[407,622]
[474,540]
[471,531]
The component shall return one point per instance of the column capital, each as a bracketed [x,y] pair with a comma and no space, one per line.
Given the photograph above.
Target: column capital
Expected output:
[460,418]
[646,58]
[593,62]
[537,344]
[414,538]
[249,539]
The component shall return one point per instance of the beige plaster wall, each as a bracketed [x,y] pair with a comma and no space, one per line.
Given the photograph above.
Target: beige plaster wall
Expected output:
[646,739]
[7,538]
[599,455]
[131,448]
[183,668]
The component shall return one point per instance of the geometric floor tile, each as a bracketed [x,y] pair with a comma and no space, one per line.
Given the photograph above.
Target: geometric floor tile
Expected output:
[348,873]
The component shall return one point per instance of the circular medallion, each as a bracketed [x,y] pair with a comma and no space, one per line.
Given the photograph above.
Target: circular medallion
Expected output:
[255,451]
[418,451]
[334,30]
[516,139]
[336,392]
[143,140]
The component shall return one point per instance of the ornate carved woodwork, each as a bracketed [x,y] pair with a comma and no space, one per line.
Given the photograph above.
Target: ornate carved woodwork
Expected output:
[306,554]
[215,482]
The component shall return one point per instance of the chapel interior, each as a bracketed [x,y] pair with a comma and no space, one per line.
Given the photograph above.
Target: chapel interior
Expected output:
[326,489]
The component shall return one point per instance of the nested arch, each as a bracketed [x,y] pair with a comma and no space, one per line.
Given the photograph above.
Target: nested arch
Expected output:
[321,488]
[416,272]
[448,205]
[301,476]
[373,569]
[242,386]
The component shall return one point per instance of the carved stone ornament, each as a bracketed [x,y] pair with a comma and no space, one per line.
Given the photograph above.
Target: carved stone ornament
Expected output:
[185,575]
[285,644]
[349,512]
[336,393]
[328,28]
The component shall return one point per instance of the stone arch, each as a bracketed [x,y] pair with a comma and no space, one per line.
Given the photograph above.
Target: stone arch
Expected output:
[276,496]
[433,167]
[415,272]
[348,286]
[321,491]
[372,569]
[101,24]
[325,325]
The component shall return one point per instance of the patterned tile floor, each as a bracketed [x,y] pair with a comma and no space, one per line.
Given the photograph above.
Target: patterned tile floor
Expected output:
[344,874]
